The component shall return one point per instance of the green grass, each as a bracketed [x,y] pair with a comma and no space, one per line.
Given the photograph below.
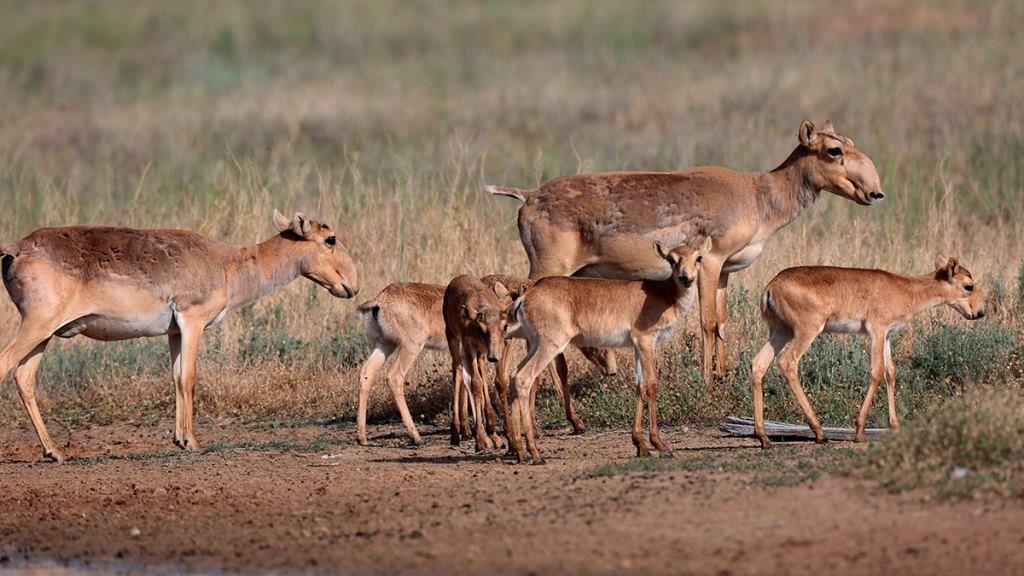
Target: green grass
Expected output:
[960,447]
[781,466]
[319,444]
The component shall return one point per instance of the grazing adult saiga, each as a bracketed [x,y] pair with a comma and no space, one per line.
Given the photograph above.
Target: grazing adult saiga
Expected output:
[603,224]
[121,283]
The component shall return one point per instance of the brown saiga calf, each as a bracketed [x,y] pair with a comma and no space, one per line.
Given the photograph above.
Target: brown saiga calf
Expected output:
[121,283]
[474,319]
[402,320]
[800,303]
[603,224]
[604,313]
[558,370]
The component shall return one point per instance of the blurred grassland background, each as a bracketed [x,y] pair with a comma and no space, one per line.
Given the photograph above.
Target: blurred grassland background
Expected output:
[386,118]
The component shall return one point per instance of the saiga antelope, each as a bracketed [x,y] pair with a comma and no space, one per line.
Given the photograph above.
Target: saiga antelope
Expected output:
[604,313]
[121,283]
[800,303]
[474,319]
[558,370]
[402,320]
[603,224]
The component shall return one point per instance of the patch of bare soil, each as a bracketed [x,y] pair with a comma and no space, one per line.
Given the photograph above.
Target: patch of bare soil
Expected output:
[308,499]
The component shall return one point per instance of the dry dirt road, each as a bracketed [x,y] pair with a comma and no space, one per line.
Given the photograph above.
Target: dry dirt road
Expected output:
[308,499]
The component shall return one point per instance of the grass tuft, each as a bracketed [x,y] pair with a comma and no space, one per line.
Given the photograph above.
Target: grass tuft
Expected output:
[964,446]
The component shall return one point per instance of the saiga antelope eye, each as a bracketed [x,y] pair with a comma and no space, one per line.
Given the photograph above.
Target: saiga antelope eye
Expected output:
[330,241]
[969,287]
[835,152]
[699,259]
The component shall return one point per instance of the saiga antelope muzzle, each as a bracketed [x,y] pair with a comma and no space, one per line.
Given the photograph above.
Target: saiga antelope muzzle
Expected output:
[122,283]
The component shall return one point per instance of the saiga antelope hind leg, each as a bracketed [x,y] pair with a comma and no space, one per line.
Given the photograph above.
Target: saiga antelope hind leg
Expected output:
[367,373]
[395,376]
[25,352]
[561,373]
[777,340]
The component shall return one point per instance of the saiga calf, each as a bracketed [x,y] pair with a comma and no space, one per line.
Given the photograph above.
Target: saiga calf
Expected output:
[800,303]
[604,313]
[558,370]
[402,320]
[474,319]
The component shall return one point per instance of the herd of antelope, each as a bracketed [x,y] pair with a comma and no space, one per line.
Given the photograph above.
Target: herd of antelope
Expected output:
[616,261]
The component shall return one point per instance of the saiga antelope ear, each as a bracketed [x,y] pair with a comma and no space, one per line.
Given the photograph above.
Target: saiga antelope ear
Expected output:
[828,128]
[301,226]
[468,313]
[281,222]
[500,290]
[705,248]
[952,267]
[947,265]
[808,134]
[662,252]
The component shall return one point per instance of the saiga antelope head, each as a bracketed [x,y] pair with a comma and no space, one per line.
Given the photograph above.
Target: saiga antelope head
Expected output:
[838,166]
[490,320]
[327,261]
[959,289]
[685,261]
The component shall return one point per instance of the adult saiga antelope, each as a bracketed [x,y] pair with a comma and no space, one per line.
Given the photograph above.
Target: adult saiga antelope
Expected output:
[121,283]
[603,312]
[603,224]
[800,303]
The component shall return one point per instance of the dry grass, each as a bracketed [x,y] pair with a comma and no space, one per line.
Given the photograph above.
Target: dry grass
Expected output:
[386,120]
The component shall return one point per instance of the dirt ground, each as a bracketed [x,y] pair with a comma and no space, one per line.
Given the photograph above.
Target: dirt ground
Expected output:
[308,499]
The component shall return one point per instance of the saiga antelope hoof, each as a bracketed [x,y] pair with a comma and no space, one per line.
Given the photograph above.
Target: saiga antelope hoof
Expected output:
[53,456]
[189,445]
[766,444]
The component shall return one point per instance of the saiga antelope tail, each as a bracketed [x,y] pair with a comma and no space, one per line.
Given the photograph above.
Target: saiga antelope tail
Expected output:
[368,312]
[518,194]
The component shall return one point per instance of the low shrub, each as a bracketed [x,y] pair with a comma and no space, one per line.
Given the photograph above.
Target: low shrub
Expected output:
[963,446]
